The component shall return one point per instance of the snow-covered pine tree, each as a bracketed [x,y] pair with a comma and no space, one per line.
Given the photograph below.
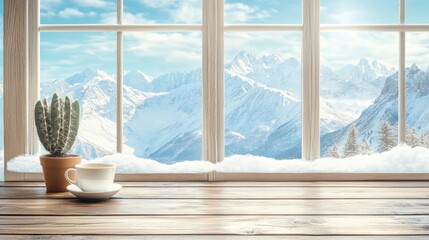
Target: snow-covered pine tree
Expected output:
[386,138]
[424,140]
[412,138]
[365,148]
[333,152]
[352,146]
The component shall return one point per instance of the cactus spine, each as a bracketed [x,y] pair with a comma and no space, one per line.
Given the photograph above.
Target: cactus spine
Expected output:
[57,125]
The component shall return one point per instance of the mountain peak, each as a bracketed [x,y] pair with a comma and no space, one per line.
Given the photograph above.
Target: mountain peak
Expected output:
[138,80]
[363,62]
[137,74]
[243,63]
[86,75]
[375,64]
[414,68]
[245,56]
[272,59]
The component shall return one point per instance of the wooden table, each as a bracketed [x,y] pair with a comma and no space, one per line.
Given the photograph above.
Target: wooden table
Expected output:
[235,210]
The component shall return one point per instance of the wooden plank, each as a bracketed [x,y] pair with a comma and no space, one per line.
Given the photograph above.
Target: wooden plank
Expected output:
[229,225]
[204,237]
[15,83]
[352,184]
[71,207]
[235,193]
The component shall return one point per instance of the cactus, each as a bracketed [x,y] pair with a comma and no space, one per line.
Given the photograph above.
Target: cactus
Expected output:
[57,125]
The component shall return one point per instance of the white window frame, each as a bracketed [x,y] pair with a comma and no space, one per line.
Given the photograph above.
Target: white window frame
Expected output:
[21,85]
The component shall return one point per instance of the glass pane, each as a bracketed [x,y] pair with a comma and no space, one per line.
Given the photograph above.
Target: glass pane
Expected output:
[82,65]
[165,11]
[417,87]
[359,11]
[77,12]
[263,94]
[417,11]
[163,95]
[358,93]
[268,11]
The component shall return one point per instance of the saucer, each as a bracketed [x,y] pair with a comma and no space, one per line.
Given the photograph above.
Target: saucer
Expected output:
[94,195]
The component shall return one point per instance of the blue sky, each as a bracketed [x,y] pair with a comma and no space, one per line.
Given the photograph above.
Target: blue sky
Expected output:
[155,53]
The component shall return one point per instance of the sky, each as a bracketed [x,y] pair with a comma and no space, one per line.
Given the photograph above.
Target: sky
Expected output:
[155,53]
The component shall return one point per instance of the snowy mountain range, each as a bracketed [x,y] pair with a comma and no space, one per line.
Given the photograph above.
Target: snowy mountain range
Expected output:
[163,115]
[385,108]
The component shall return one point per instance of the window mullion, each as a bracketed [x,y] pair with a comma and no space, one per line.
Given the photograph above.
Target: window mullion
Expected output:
[119,80]
[310,81]
[401,77]
[33,73]
[213,81]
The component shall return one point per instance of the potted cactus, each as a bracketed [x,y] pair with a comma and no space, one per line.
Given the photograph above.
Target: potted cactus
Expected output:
[57,127]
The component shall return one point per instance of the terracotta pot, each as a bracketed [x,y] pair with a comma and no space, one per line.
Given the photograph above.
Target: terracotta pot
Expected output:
[54,169]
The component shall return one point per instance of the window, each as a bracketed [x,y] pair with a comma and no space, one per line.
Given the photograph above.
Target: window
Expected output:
[181,85]
[81,65]
[358,92]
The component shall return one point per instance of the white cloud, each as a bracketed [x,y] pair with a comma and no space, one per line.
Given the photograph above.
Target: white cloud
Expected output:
[417,49]
[49,4]
[341,48]
[241,13]
[91,14]
[71,12]
[343,17]
[47,14]
[129,18]
[181,51]
[187,12]
[95,3]
[159,3]
[261,43]
[66,54]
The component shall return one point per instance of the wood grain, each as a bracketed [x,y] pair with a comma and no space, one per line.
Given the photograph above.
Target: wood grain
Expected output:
[204,225]
[292,210]
[348,184]
[130,207]
[204,237]
[235,193]
[15,83]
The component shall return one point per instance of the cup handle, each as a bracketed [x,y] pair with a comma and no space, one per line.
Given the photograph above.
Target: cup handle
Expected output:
[66,175]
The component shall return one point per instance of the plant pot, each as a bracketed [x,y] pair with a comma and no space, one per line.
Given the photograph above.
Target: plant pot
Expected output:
[54,169]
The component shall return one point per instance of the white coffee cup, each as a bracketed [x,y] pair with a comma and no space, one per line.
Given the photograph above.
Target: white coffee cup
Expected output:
[92,177]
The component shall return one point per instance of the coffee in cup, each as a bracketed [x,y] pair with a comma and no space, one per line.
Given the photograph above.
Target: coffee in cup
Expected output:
[92,177]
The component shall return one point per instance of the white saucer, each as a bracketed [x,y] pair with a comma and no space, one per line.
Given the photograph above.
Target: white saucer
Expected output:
[94,195]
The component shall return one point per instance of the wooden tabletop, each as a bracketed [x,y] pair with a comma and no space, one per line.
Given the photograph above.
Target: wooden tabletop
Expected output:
[234,210]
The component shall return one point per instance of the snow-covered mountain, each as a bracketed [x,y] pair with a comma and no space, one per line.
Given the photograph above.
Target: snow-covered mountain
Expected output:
[385,108]
[163,115]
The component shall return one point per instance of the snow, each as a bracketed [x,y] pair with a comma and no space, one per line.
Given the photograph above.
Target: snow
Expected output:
[402,158]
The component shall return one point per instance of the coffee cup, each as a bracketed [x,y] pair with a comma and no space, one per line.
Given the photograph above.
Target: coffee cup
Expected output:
[92,177]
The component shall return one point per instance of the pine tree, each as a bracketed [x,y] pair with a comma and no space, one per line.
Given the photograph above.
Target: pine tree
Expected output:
[365,148]
[412,139]
[424,140]
[333,152]
[386,138]
[352,144]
